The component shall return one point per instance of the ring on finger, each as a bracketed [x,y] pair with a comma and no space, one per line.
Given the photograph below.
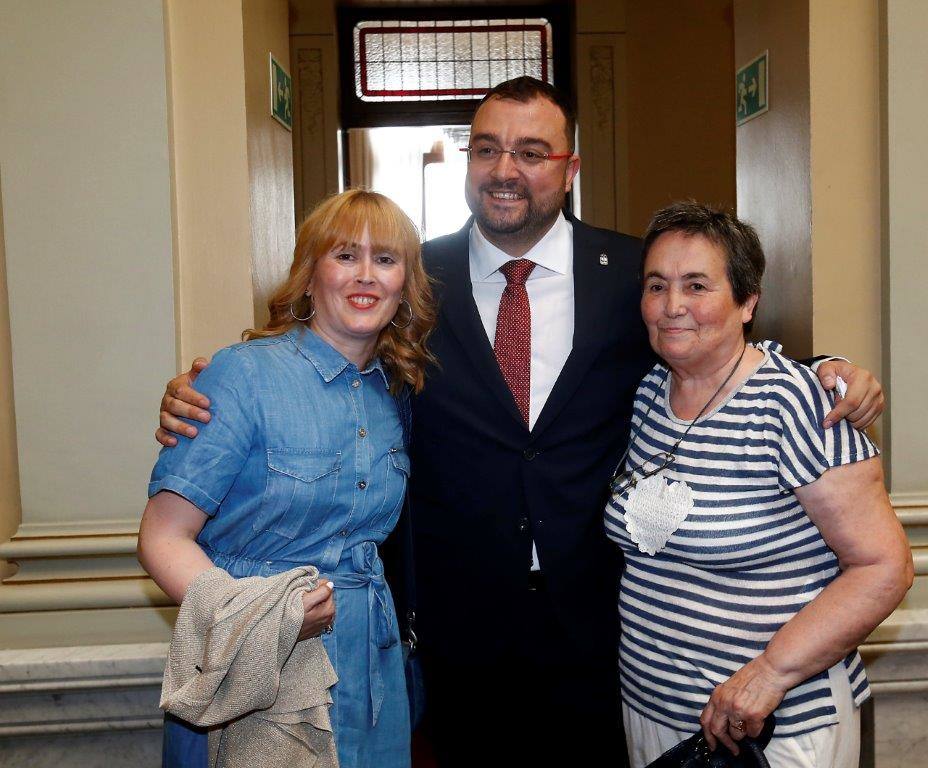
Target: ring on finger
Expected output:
[738,725]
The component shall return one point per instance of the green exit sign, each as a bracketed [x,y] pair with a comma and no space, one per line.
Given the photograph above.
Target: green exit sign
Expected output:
[751,89]
[281,95]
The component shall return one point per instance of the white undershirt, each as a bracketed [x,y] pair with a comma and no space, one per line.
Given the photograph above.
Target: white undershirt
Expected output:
[550,289]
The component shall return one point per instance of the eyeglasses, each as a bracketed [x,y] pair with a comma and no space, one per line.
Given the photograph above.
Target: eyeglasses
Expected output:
[621,482]
[487,154]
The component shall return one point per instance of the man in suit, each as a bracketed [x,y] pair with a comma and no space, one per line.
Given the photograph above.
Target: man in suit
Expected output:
[516,587]
[540,348]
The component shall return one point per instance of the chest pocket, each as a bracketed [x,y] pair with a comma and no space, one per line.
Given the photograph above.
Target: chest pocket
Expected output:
[396,469]
[300,491]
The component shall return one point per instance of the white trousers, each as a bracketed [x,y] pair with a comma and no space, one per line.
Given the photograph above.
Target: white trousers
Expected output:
[836,746]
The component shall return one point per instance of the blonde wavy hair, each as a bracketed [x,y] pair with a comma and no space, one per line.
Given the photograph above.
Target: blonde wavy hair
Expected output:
[337,221]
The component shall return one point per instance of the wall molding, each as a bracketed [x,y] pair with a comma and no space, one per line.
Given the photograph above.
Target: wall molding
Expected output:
[68,546]
[100,527]
[81,595]
[909,499]
[912,508]
[97,569]
[76,572]
[899,686]
[920,559]
[70,572]
[316,153]
[603,129]
[70,590]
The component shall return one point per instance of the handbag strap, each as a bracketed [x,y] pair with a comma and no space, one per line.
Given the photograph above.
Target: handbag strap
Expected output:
[694,752]
[757,751]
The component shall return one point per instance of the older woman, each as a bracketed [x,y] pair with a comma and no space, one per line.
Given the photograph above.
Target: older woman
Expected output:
[304,461]
[760,548]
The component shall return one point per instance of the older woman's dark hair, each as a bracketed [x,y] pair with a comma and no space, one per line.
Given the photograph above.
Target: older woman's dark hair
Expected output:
[744,256]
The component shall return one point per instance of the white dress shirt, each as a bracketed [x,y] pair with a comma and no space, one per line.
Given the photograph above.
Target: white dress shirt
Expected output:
[550,289]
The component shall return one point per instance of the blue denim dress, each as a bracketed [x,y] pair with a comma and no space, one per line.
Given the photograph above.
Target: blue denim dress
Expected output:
[303,462]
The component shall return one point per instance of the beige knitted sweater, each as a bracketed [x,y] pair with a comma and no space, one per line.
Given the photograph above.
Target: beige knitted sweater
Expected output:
[235,663]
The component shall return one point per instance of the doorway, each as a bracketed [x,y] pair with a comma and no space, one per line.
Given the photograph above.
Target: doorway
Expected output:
[421,168]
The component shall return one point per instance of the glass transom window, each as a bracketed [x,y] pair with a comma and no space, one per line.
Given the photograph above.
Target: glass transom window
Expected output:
[440,60]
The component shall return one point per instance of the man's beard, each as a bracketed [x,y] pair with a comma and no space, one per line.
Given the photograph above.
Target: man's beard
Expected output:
[536,217]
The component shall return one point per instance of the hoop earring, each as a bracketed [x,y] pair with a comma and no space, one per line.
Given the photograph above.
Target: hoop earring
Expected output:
[311,313]
[411,316]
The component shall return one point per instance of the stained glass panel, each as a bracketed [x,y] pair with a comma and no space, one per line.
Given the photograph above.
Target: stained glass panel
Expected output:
[437,60]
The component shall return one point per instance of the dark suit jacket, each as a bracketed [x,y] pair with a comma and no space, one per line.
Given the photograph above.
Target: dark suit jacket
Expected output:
[483,486]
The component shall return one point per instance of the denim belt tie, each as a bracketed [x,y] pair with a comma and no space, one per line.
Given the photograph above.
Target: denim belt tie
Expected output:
[368,573]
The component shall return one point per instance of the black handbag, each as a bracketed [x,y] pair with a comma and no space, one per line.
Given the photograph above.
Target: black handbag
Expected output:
[694,752]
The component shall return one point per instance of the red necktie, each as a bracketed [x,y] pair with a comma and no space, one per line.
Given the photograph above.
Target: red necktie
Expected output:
[513,345]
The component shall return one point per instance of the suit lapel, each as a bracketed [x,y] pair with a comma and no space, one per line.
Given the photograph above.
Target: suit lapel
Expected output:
[460,309]
[594,295]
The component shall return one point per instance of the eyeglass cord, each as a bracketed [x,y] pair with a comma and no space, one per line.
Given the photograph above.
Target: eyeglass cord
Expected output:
[671,454]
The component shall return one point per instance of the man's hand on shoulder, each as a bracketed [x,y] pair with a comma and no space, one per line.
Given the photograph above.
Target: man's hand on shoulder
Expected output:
[181,400]
[863,402]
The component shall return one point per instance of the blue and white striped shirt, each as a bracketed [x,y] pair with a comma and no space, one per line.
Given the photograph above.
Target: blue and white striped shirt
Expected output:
[746,559]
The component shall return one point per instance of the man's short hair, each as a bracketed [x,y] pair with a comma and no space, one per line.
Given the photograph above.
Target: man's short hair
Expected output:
[744,256]
[524,89]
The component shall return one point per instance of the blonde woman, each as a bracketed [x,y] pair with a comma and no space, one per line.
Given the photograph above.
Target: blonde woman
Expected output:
[304,461]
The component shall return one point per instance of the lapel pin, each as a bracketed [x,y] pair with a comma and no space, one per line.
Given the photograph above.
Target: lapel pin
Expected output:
[603,259]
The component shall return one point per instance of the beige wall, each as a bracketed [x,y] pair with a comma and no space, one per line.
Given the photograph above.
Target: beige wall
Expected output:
[833,175]
[270,151]
[904,251]
[773,167]
[845,163]
[317,159]
[901,706]
[601,191]
[10,509]
[681,135]
[87,247]
[312,17]
[128,239]
[87,336]
[809,173]
[233,167]
[316,125]
[655,92]
[212,202]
